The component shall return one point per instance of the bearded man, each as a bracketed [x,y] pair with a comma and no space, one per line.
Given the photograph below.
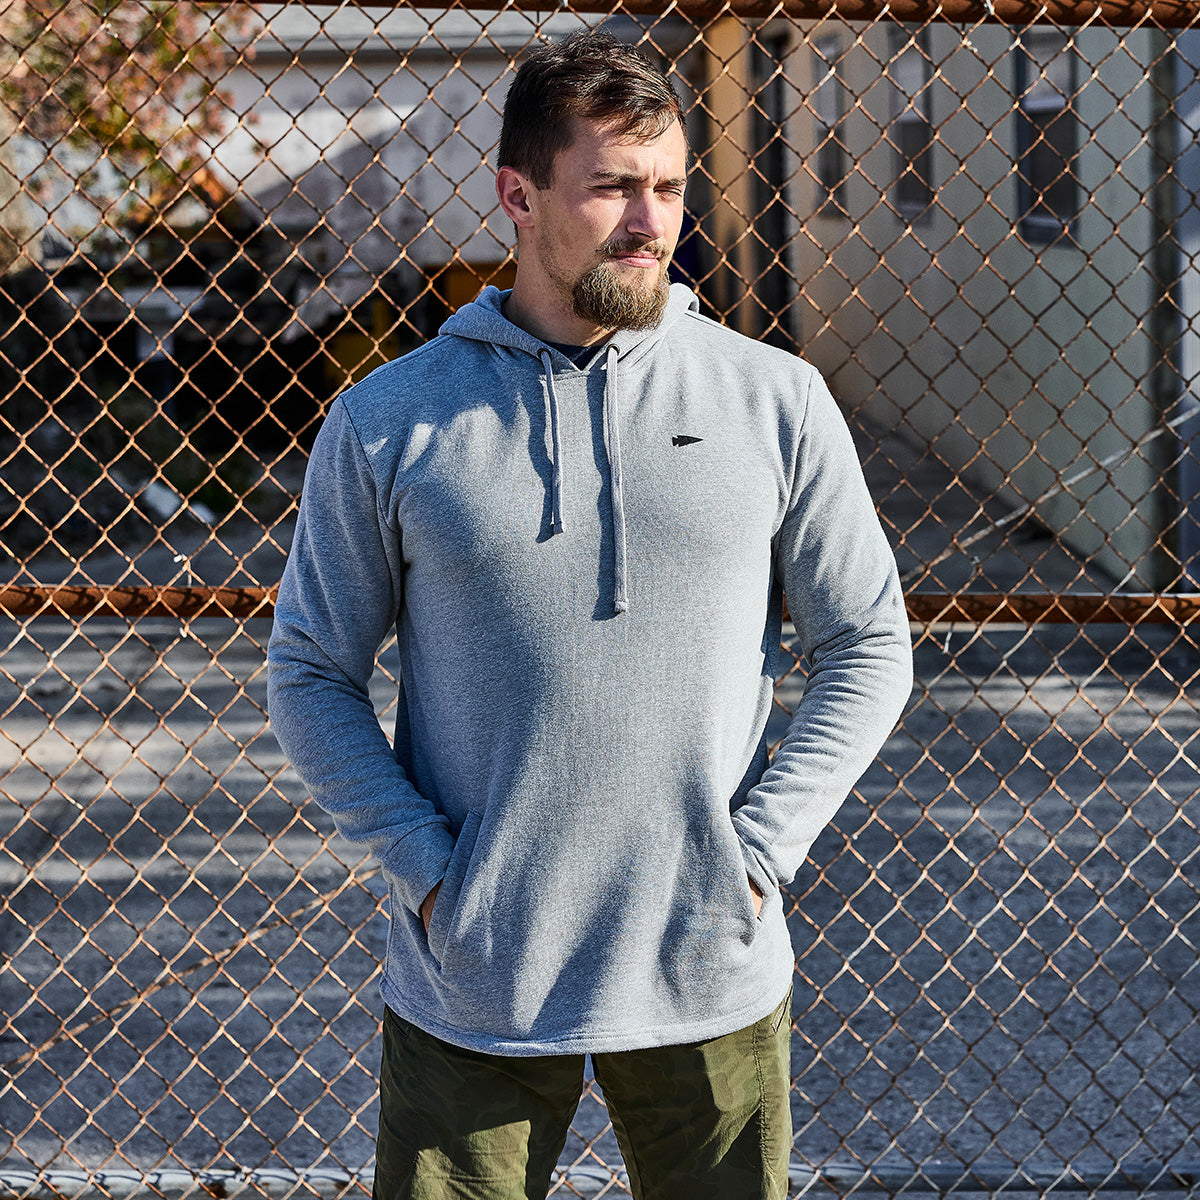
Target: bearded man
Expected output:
[580,507]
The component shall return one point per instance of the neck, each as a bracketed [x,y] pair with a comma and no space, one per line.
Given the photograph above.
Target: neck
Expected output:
[547,320]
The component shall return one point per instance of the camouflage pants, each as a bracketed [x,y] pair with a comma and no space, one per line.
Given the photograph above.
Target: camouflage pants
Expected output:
[706,1121]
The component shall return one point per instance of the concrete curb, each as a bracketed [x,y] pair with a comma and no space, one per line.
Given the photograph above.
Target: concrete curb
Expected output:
[177,1184]
[174,1183]
[324,1184]
[596,1181]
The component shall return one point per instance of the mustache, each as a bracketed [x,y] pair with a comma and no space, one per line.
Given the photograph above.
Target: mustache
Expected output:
[616,246]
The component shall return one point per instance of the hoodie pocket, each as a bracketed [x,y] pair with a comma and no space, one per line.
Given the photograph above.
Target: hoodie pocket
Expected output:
[744,889]
[445,907]
[740,894]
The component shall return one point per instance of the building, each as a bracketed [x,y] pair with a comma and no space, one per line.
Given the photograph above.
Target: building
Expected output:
[988,262]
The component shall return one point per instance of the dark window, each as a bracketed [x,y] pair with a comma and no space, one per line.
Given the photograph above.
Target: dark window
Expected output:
[911,71]
[773,102]
[1047,137]
[828,102]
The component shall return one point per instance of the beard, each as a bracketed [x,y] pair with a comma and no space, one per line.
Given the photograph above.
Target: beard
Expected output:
[604,298]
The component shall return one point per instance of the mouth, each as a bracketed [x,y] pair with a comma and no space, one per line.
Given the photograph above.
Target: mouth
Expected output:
[642,256]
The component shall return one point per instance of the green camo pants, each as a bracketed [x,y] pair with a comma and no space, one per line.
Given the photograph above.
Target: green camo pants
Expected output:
[706,1121]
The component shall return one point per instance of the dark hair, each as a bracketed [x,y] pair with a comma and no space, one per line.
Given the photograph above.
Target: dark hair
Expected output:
[589,75]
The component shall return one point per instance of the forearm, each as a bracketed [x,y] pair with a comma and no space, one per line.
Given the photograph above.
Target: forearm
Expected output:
[853,698]
[331,735]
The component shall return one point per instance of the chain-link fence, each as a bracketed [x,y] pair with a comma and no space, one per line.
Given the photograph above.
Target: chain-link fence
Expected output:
[980,222]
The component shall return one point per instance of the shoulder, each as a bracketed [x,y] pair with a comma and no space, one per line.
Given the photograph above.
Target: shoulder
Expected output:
[731,364]
[423,385]
[711,339]
[418,368]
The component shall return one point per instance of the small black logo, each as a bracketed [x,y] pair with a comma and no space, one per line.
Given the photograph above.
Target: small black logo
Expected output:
[683,439]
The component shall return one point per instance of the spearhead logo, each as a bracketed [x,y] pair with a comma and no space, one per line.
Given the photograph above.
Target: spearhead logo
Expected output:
[683,439]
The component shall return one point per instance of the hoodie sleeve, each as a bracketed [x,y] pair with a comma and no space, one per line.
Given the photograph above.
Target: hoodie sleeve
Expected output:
[338,599]
[843,595]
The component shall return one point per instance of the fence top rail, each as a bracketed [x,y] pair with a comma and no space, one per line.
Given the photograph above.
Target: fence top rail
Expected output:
[1124,14]
[925,608]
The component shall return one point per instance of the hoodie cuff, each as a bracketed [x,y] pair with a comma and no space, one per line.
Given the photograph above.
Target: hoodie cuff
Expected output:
[416,863]
[757,875]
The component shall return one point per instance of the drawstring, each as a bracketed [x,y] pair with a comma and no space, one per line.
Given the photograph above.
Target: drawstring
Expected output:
[612,439]
[612,435]
[556,525]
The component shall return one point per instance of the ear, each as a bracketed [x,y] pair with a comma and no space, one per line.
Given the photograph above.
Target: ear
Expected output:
[515,194]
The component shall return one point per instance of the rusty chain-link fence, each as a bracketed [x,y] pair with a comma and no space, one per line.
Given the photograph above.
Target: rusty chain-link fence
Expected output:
[981,222]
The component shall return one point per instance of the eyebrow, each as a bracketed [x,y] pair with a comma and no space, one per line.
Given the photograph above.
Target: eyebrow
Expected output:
[625,179]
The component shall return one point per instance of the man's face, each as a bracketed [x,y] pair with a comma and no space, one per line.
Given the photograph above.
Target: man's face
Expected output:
[606,227]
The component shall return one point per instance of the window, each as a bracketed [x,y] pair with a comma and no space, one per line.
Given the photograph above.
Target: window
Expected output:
[1047,136]
[910,71]
[773,100]
[828,103]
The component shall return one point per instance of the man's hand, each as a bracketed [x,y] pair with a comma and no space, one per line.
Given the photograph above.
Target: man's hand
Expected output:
[427,906]
[758,901]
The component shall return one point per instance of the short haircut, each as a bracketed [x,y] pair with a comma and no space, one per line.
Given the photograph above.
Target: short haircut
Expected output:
[589,75]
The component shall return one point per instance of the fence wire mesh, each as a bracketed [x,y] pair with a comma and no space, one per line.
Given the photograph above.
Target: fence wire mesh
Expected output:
[983,230]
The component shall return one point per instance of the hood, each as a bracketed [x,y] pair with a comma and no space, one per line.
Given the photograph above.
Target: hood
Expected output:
[483,320]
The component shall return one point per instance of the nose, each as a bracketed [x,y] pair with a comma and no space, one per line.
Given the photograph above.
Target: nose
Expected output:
[646,216]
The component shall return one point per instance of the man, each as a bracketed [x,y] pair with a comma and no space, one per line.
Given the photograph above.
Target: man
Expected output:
[578,506]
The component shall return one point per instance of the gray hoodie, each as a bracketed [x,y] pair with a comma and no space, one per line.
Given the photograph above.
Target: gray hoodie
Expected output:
[584,570]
